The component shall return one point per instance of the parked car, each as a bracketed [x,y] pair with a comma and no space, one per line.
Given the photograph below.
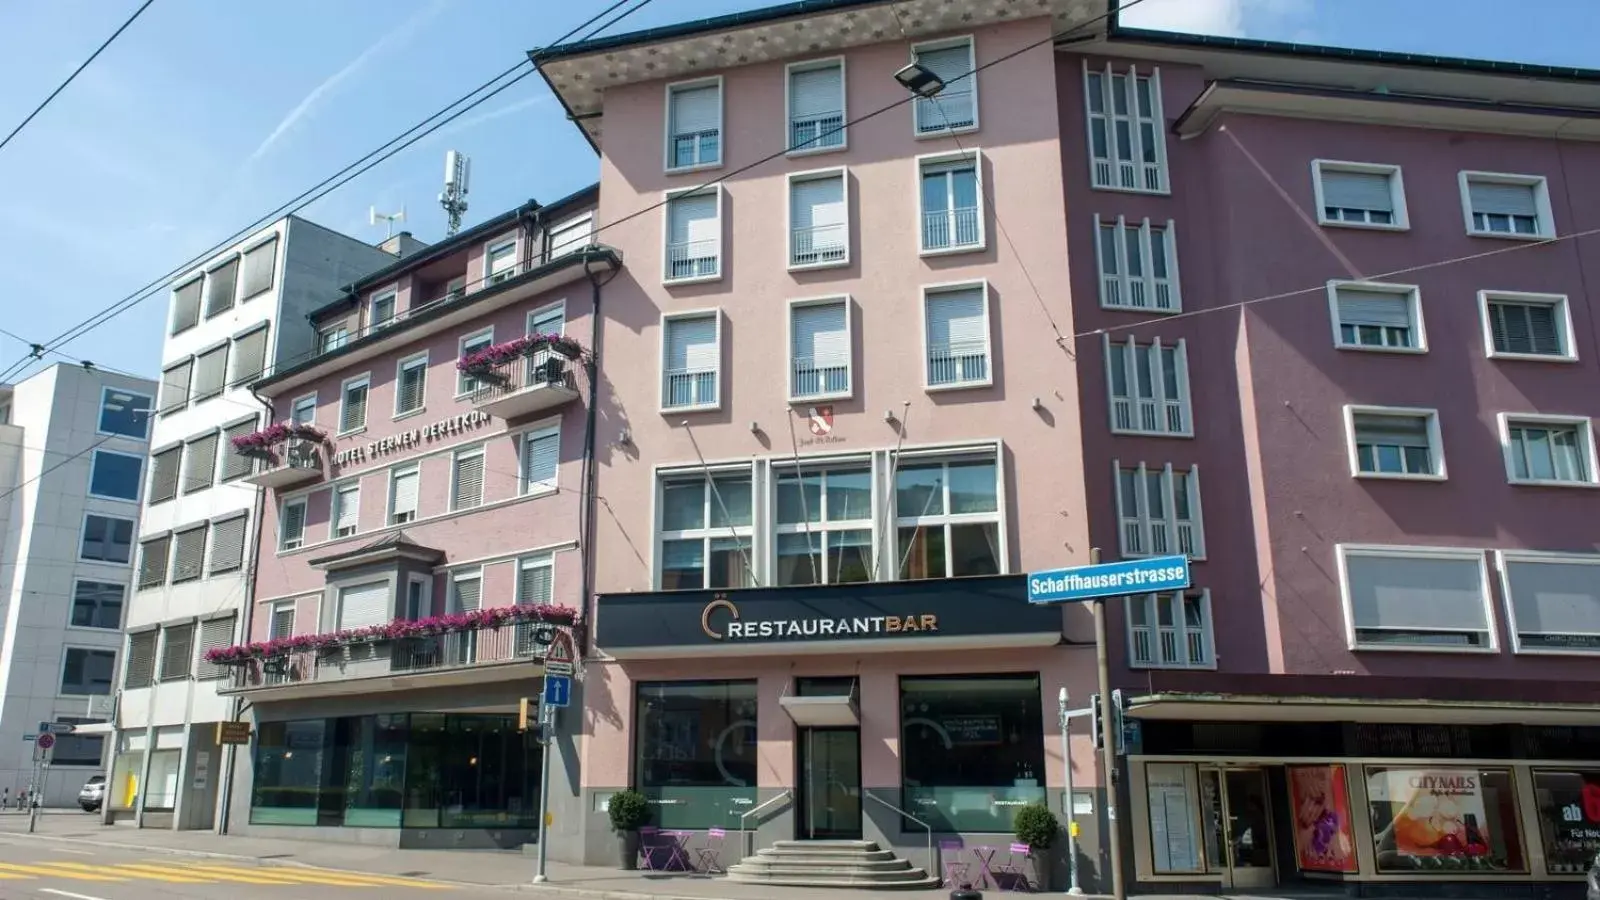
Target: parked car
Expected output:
[93,793]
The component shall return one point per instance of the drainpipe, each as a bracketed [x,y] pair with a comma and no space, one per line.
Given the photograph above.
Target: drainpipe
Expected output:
[532,217]
[586,509]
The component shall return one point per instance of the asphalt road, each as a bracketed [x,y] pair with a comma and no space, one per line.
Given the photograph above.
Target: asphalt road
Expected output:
[32,869]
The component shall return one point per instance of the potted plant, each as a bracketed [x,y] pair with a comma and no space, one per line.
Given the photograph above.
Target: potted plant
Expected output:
[1037,827]
[629,811]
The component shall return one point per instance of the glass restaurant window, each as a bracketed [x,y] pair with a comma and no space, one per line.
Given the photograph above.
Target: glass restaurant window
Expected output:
[1569,817]
[948,513]
[288,773]
[696,751]
[971,750]
[829,510]
[705,532]
[1439,819]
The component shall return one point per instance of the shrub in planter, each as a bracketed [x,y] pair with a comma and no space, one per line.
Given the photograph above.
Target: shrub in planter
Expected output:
[629,811]
[1038,827]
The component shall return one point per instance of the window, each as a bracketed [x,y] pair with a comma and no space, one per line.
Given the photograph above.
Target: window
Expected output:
[1552,450]
[692,361]
[364,605]
[97,604]
[955,108]
[1515,206]
[466,590]
[1149,385]
[820,348]
[550,319]
[141,659]
[282,622]
[177,651]
[186,306]
[951,199]
[824,526]
[227,545]
[88,672]
[1138,265]
[124,413]
[292,525]
[1479,807]
[353,405]
[1527,326]
[1567,816]
[500,261]
[1127,132]
[695,746]
[115,476]
[1553,599]
[214,635]
[960,769]
[346,508]
[819,220]
[1388,442]
[403,495]
[947,512]
[705,531]
[957,334]
[573,234]
[694,236]
[260,265]
[221,284]
[78,749]
[1363,195]
[816,106]
[175,386]
[467,346]
[1372,316]
[188,554]
[535,580]
[249,357]
[331,339]
[541,458]
[1170,631]
[380,311]
[410,384]
[106,539]
[419,603]
[200,465]
[210,373]
[236,465]
[1409,598]
[694,124]
[304,410]
[466,479]
[154,555]
[1159,511]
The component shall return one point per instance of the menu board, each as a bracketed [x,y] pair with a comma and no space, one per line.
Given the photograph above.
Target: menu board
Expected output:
[1170,787]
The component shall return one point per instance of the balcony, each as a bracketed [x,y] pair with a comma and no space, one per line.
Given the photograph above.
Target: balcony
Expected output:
[286,464]
[541,381]
[688,260]
[951,229]
[818,245]
[816,132]
[812,379]
[959,363]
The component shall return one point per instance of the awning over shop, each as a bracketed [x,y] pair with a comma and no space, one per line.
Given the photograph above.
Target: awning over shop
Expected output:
[1175,706]
[828,711]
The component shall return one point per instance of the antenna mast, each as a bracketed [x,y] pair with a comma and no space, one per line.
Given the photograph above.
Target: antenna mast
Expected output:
[457,174]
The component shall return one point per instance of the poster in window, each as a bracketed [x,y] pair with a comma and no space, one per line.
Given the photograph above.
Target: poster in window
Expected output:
[1569,814]
[1431,816]
[1323,841]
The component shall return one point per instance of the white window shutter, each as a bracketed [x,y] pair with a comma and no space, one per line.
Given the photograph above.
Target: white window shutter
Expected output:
[164,468]
[227,545]
[293,527]
[141,660]
[693,218]
[955,321]
[405,493]
[349,503]
[364,605]
[186,306]
[412,381]
[692,344]
[210,371]
[214,635]
[189,553]
[201,464]
[175,386]
[1498,198]
[696,109]
[259,268]
[820,333]
[468,488]
[468,593]
[355,408]
[1359,307]
[249,357]
[817,203]
[541,458]
[535,584]
[1357,190]
[814,93]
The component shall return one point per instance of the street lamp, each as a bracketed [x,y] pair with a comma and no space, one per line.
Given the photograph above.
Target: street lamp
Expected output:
[920,80]
[1066,765]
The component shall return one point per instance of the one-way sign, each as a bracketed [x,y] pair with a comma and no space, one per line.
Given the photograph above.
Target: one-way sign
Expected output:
[56,727]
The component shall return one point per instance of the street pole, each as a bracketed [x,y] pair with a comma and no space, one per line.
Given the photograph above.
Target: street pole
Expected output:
[1066,767]
[1108,739]
[547,717]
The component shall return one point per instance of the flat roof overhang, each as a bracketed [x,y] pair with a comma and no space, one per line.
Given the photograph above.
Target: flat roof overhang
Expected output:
[1265,708]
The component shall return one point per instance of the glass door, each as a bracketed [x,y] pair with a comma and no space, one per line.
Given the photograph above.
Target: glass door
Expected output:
[830,784]
[1239,826]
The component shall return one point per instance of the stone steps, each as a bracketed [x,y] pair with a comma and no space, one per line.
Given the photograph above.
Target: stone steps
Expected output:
[842,864]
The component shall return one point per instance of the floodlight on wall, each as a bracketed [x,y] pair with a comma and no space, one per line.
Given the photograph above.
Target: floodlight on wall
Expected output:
[919,80]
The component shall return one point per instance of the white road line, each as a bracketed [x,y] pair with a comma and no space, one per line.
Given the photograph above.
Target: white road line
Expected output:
[68,894]
[70,850]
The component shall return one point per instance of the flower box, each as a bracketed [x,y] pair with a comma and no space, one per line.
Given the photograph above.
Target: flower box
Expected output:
[260,443]
[482,363]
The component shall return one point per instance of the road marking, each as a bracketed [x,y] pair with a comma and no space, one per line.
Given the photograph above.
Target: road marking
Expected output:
[313,875]
[220,873]
[59,870]
[157,873]
[70,850]
[68,894]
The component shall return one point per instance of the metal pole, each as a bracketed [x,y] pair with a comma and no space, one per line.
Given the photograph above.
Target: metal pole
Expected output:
[1066,768]
[33,785]
[1108,738]
[547,716]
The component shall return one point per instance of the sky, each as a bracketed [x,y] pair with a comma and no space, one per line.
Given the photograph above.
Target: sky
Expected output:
[204,116]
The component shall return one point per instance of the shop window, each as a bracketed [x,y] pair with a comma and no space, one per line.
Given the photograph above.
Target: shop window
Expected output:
[470,771]
[1441,820]
[705,532]
[825,526]
[161,786]
[695,746]
[971,750]
[1174,816]
[1569,818]
[948,514]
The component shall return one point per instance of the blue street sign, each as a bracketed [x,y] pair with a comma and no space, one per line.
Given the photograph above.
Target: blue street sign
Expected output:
[557,690]
[1134,576]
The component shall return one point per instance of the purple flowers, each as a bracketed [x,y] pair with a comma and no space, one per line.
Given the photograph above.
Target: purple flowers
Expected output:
[480,362]
[394,631]
[260,441]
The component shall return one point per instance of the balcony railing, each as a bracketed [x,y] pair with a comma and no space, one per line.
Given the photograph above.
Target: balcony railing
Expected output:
[693,259]
[696,148]
[1149,415]
[811,380]
[1136,292]
[944,229]
[688,388]
[291,463]
[540,381]
[817,245]
[816,131]
[957,364]
[1159,537]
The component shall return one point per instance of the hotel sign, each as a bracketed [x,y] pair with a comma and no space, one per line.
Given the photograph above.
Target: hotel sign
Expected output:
[410,439]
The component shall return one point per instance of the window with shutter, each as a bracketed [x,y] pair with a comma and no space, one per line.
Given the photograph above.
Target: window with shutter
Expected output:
[1434,599]
[282,624]
[466,482]
[549,320]
[164,468]
[1377,317]
[694,236]
[235,464]
[819,350]
[1149,386]
[175,386]
[1138,263]
[210,371]
[363,605]
[691,369]
[955,108]
[177,651]
[186,306]
[292,525]
[952,203]
[403,495]
[573,234]
[346,508]
[214,635]
[353,406]
[1395,443]
[188,554]
[1159,511]
[1507,205]
[380,312]
[500,262]
[694,125]
[819,224]
[541,457]
[466,592]
[1362,194]
[1127,130]
[535,581]
[227,545]
[153,557]
[411,379]
[201,465]
[958,337]
[260,266]
[466,346]
[249,357]
[816,106]
[1527,326]
[221,285]
[141,660]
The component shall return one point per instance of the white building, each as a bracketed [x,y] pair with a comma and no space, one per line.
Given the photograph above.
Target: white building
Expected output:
[73,443]
[239,315]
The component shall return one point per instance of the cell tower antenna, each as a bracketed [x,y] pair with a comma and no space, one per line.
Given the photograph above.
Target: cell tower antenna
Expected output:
[389,218]
[457,178]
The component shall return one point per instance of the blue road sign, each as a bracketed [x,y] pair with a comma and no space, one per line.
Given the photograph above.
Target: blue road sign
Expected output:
[557,690]
[1134,576]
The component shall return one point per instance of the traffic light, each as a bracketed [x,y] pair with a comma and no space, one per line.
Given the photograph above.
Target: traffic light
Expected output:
[1095,725]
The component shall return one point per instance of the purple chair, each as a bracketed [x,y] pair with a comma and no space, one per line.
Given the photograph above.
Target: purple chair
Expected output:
[649,844]
[955,868]
[1015,868]
[709,857]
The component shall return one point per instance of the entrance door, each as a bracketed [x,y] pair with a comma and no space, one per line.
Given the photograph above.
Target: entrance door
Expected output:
[829,784]
[1240,839]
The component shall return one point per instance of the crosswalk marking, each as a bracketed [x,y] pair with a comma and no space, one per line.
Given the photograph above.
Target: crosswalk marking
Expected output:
[58,872]
[287,876]
[180,872]
[313,875]
[239,876]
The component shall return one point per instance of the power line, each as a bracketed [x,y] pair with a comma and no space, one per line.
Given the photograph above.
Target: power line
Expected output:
[75,73]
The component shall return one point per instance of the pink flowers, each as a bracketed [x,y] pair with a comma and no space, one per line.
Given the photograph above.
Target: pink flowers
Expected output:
[260,441]
[481,361]
[495,617]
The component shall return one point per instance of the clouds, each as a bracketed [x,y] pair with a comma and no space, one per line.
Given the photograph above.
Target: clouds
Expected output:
[1227,18]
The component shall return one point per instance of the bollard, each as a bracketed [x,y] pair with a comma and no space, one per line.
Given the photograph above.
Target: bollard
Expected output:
[966,892]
